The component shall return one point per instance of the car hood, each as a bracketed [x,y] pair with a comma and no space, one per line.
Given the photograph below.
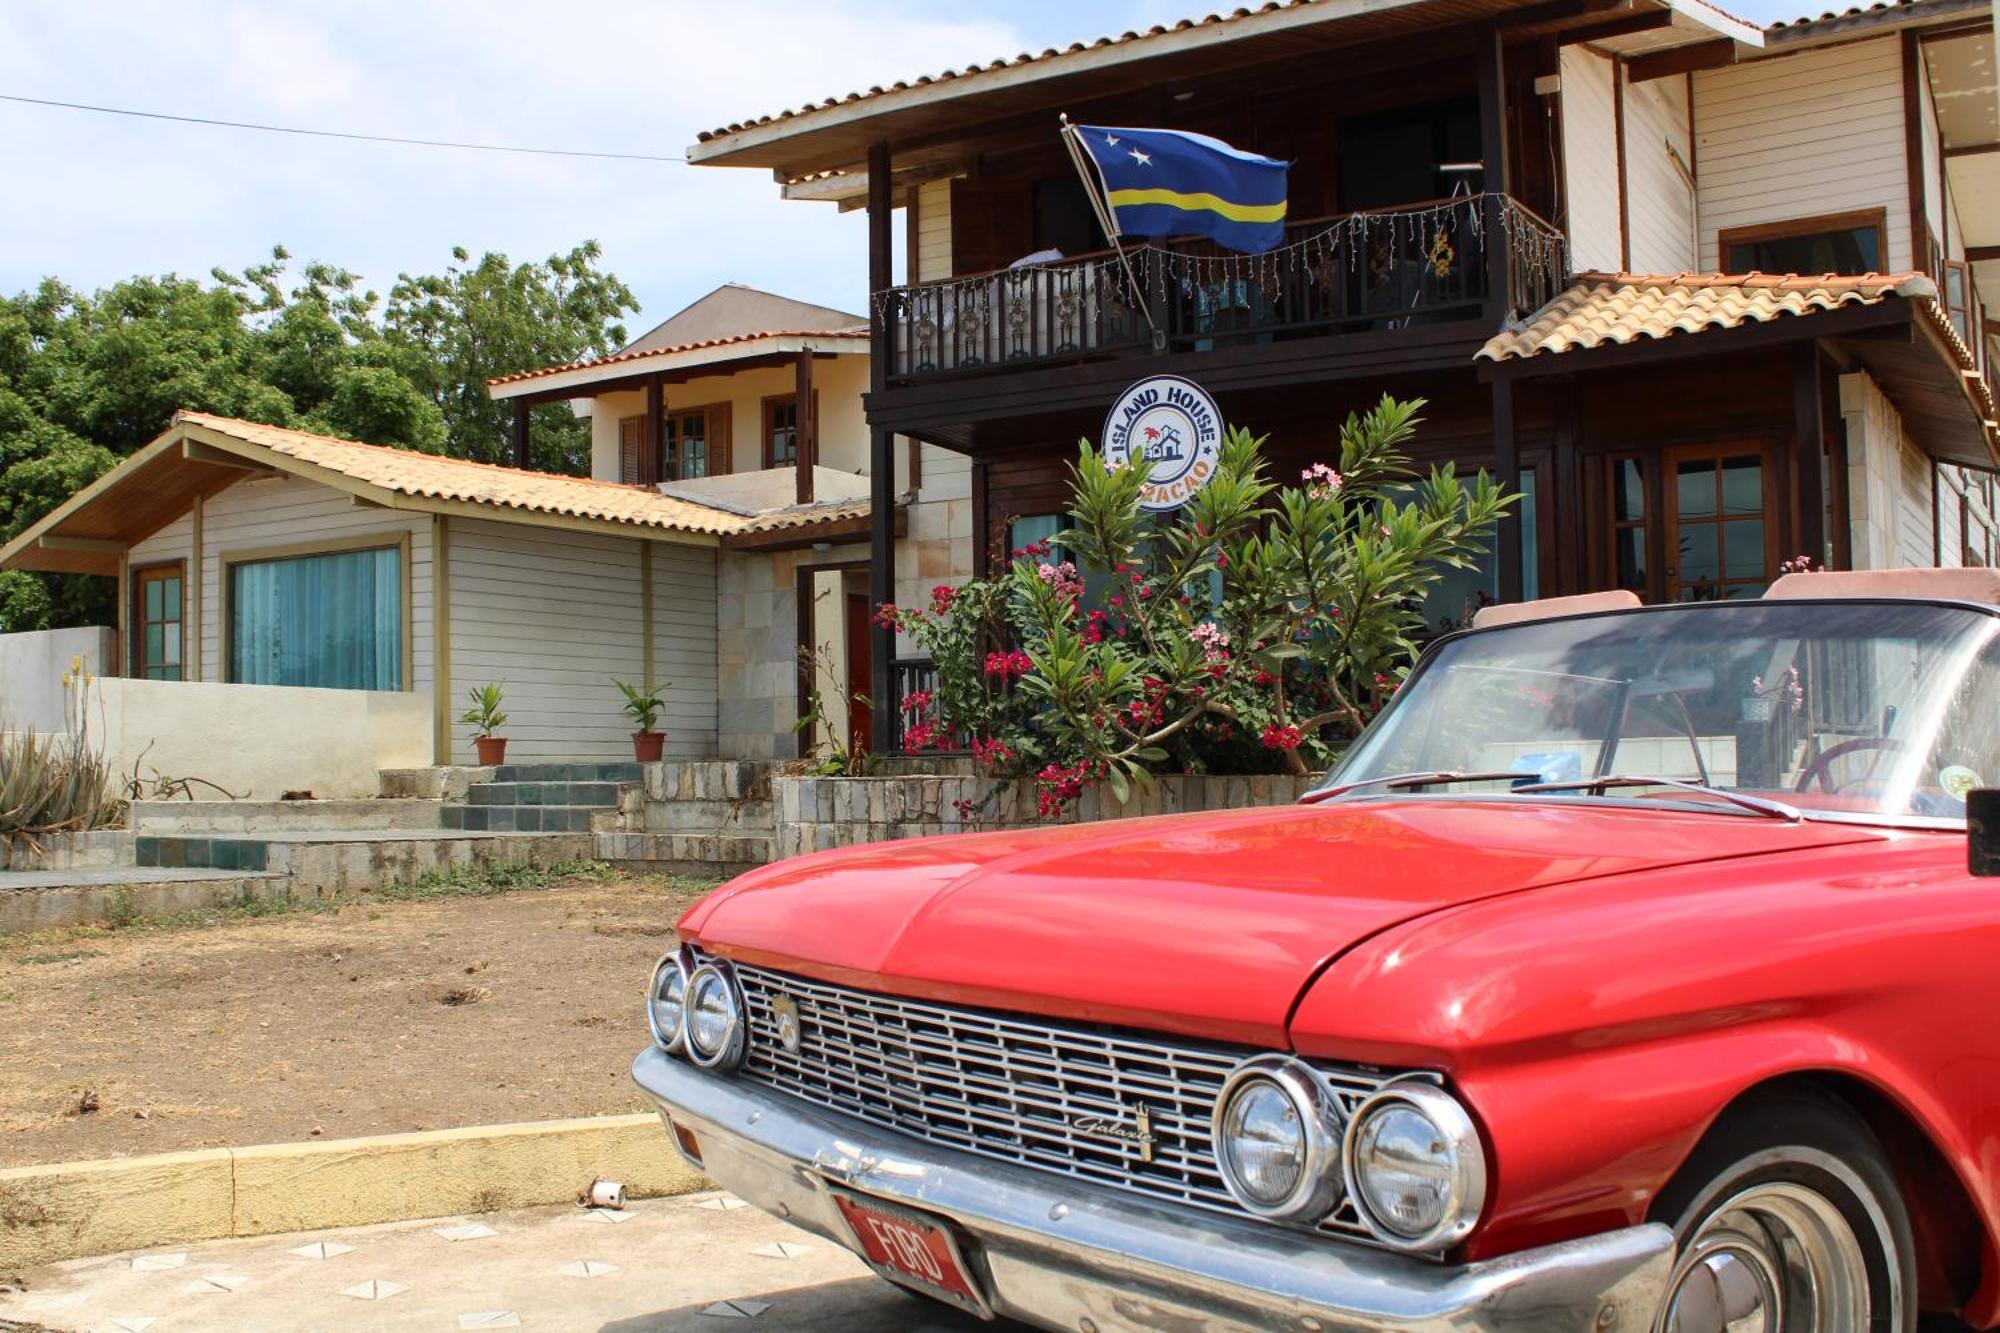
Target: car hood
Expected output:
[1206,925]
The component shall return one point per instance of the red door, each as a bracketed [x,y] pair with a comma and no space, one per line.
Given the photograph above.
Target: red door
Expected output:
[860,672]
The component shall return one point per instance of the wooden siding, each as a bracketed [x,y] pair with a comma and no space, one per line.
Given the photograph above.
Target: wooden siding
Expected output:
[554,617]
[287,512]
[1590,160]
[1801,135]
[1935,207]
[1656,161]
[931,257]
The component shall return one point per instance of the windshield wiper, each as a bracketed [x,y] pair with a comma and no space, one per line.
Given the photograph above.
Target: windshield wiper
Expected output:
[1411,780]
[1755,804]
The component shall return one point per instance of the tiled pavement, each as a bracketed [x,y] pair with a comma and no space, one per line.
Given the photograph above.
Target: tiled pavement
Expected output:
[700,1264]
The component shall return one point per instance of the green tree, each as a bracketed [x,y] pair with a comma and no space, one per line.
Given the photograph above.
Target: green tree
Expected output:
[459,328]
[87,379]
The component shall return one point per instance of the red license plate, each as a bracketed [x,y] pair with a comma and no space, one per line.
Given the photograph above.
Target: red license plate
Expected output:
[912,1248]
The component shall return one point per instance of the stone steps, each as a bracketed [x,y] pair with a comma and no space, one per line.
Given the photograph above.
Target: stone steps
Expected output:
[713,856]
[52,899]
[224,817]
[603,795]
[522,818]
[352,862]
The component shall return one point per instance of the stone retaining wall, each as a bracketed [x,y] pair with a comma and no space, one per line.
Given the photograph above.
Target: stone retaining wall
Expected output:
[814,814]
[97,850]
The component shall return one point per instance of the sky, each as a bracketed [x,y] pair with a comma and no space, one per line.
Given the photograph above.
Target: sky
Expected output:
[90,199]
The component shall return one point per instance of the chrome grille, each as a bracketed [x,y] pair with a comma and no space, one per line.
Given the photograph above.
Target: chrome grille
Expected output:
[1012,1088]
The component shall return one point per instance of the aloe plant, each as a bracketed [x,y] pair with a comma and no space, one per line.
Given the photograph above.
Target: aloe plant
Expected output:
[56,783]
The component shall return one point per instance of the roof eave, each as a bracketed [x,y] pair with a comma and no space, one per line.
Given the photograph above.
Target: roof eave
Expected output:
[583,378]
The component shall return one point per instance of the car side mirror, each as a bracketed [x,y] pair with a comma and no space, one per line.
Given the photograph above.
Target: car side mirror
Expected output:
[1982,830]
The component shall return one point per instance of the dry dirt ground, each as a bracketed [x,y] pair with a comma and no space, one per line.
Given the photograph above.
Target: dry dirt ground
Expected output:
[378,1017]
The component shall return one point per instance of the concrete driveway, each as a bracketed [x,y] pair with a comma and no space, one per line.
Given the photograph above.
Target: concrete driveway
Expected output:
[701,1262]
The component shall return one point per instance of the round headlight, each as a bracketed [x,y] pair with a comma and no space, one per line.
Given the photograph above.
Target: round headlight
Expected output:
[714,1021]
[1277,1139]
[666,1002]
[1416,1168]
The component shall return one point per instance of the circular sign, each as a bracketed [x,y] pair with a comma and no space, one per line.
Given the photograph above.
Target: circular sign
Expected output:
[1173,425]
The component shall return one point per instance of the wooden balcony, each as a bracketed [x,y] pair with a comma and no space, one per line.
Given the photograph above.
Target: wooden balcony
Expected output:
[1472,258]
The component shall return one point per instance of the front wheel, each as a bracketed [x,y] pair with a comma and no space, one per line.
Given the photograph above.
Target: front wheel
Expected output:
[1788,1220]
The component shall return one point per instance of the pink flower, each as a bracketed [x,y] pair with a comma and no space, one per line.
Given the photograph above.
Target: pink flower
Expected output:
[990,754]
[1321,481]
[887,614]
[942,597]
[1213,641]
[1006,665]
[917,702]
[920,737]
[1063,578]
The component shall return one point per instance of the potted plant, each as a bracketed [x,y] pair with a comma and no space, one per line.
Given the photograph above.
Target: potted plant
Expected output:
[486,719]
[643,706]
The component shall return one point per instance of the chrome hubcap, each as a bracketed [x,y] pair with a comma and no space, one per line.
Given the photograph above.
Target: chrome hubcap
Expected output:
[1776,1258]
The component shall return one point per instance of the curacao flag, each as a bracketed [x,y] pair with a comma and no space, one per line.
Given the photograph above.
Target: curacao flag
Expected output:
[1174,183]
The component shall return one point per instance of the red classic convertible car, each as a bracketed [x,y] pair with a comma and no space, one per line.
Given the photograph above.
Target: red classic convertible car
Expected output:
[1628,974]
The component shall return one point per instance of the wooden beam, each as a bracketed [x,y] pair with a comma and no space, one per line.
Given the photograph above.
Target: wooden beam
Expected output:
[441,685]
[1559,11]
[646,612]
[1490,67]
[522,457]
[806,429]
[1972,150]
[881,463]
[1913,153]
[197,452]
[94,545]
[191,663]
[1981,254]
[1622,27]
[1681,60]
[1507,463]
[652,462]
[1808,445]
[121,657]
[1624,190]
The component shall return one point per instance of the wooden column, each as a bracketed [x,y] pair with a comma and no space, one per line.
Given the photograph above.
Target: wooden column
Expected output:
[881,466]
[1497,177]
[1808,445]
[440,639]
[652,436]
[191,663]
[1507,466]
[808,427]
[522,458]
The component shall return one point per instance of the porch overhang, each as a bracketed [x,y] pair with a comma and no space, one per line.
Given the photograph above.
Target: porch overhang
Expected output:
[822,148]
[1891,326]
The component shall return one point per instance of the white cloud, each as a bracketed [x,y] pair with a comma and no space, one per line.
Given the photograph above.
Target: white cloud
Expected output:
[96,198]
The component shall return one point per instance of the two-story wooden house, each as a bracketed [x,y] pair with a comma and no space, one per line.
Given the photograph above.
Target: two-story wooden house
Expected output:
[1573,226]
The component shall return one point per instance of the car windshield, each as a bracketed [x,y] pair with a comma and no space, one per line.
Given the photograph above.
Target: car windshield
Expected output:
[1837,708]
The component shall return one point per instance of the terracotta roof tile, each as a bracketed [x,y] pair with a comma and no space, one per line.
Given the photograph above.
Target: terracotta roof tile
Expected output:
[642,353]
[1601,308]
[433,476]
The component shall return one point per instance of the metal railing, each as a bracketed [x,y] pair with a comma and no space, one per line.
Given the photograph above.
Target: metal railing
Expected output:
[1395,269]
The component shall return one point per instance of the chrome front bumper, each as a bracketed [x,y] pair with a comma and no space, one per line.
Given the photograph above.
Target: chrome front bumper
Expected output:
[1067,1256]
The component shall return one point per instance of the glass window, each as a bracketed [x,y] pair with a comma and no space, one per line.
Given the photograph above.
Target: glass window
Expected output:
[781,432]
[334,621]
[156,623]
[1840,708]
[686,446]
[1813,248]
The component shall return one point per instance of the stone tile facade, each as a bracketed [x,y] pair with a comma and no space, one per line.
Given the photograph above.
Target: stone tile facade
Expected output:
[815,814]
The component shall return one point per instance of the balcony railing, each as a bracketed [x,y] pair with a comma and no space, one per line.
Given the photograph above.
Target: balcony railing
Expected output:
[1424,264]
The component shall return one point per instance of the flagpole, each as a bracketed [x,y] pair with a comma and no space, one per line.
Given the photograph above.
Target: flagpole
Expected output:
[1093,186]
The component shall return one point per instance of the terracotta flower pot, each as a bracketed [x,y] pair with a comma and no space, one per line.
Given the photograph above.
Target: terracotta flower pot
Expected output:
[492,750]
[647,745]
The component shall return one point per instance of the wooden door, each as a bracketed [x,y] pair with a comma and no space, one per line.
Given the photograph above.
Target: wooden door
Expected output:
[1720,522]
[992,223]
[158,602]
[860,673]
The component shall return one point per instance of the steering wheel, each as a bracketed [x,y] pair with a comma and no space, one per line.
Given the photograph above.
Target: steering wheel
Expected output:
[1819,767]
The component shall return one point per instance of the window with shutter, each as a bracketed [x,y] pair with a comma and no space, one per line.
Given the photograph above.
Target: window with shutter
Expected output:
[631,439]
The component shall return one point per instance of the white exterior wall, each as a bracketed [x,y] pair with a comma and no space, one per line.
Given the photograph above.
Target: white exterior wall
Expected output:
[555,615]
[1889,482]
[1657,157]
[1590,160]
[1802,135]
[843,430]
[283,512]
[931,258]
[33,664]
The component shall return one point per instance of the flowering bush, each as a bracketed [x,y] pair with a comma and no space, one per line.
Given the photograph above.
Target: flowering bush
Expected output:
[1261,625]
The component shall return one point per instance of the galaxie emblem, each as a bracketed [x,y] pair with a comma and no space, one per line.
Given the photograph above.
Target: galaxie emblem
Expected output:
[787,1011]
[1138,1132]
